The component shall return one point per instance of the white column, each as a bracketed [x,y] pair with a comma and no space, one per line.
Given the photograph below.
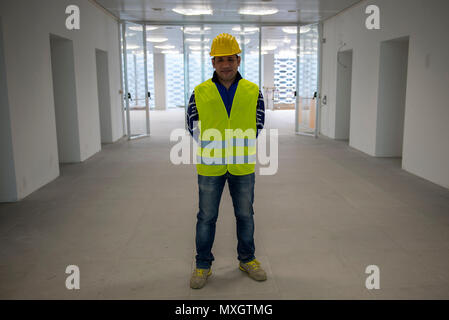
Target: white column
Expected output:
[159,81]
[268,79]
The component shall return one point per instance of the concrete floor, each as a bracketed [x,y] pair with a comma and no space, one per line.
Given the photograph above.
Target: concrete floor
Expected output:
[126,217]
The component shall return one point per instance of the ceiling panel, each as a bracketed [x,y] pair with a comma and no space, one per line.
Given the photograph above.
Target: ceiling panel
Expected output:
[290,11]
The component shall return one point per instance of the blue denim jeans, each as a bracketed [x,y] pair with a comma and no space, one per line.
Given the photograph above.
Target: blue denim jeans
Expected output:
[242,193]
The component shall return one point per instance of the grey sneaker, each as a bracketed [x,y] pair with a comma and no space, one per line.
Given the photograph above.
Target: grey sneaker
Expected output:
[254,270]
[199,278]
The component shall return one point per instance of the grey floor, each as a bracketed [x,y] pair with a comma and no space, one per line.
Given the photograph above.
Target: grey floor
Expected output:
[126,217]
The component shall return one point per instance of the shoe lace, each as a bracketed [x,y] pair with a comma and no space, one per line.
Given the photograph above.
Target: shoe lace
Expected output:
[200,272]
[254,265]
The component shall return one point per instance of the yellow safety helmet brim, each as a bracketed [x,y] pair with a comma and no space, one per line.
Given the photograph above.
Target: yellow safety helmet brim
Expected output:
[224,45]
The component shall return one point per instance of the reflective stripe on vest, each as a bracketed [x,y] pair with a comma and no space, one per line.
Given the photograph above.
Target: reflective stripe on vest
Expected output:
[226,143]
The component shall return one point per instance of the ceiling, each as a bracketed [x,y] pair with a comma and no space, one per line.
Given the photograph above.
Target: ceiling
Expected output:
[226,11]
[271,36]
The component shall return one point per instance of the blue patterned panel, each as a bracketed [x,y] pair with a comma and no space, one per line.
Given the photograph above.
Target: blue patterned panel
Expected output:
[285,79]
[174,80]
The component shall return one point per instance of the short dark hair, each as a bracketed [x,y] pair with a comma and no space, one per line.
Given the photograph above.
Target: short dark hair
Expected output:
[235,55]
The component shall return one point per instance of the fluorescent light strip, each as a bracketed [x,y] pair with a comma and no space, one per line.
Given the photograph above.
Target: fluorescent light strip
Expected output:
[195,30]
[193,11]
[165,47]
[196,40]
[294,30]
[151,39]
[170,52]
[257,11]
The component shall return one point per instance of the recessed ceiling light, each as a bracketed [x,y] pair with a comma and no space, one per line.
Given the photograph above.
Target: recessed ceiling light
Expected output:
[294,30]
[256,52]
[135,28]
[151,28]
[137,52]
[196,40]
[193,11]
[154,39]
[165,47]
[304,29]
[257,11]
[246,30]
[290,30]
[170,52]
[268,48]
[132,47]
[196,30]
[195,47]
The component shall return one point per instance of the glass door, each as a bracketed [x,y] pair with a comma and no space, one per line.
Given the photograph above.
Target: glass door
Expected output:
[162,66]
[307,97]
[135,80]
[279,69]
[166,77]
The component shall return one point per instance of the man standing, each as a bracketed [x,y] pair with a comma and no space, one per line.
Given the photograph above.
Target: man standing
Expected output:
[230,112]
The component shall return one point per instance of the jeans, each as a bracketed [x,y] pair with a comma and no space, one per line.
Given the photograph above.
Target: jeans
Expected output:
[242,193]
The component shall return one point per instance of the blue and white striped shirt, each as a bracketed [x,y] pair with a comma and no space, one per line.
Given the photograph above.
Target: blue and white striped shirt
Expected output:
[227,95]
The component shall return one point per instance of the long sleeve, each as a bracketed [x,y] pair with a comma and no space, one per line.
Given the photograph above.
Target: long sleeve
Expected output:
[260,114]
[192,115]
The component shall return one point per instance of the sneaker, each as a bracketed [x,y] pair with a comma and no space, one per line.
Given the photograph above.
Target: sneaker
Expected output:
[199,278]
[254,270]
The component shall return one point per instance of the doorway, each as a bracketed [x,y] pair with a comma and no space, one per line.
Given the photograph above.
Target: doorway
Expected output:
[64,92]
[104,96]
[343,97]
[8,189]
[391,97]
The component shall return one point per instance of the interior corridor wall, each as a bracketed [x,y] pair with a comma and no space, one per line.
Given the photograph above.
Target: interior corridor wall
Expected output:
[8,187]
[426,133]
[26,29]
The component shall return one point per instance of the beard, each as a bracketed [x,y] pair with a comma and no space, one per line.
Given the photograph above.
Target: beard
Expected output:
[227,75]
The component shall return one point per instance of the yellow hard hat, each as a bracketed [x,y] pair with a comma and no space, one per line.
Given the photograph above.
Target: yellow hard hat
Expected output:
[224,45]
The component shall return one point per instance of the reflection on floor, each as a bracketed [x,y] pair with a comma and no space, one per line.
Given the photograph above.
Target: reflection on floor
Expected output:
[126,217]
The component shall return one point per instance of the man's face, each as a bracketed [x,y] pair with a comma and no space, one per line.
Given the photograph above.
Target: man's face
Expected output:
[226,67]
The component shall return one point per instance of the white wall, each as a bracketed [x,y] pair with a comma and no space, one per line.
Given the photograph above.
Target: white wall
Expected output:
[26,29]
[426,130]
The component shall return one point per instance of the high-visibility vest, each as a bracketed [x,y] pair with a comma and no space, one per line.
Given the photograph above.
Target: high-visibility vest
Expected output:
[226,143]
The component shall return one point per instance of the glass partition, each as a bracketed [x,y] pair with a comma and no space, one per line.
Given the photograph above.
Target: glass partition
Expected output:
[135,80]
[308,79]
[177,59]
[166,74]
[279,68]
